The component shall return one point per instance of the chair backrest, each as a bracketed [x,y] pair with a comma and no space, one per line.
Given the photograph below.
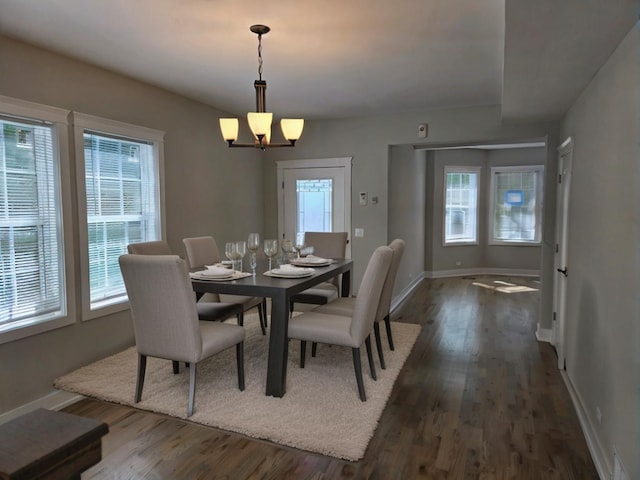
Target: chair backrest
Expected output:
[397,246]
[327,244]
[201,251]
[163,307]
[368,299]
[156,247]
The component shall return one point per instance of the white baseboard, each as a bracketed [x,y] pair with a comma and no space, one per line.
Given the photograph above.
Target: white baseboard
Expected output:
[598,454]
[544,334]
[463,272]
[56,400]
[406,291]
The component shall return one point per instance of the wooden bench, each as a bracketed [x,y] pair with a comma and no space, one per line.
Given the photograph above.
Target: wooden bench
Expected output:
[46,444]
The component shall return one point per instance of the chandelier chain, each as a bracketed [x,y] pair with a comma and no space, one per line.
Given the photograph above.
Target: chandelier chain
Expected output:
[260,56]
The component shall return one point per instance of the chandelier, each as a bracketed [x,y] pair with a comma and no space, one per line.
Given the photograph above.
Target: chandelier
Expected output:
[260,120]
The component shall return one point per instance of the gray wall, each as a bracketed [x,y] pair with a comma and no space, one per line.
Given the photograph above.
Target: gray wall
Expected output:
[201,175]
[603,313]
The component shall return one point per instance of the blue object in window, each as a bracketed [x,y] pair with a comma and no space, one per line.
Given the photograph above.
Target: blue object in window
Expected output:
[515,198]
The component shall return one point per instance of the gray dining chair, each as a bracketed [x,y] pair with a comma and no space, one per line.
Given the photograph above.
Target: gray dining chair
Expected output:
[348,331]
[203,251]
[165,319]
[211,311]
[326,245]
[344,305]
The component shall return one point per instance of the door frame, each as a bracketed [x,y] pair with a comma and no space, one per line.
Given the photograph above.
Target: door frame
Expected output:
[561,256]
[315,163]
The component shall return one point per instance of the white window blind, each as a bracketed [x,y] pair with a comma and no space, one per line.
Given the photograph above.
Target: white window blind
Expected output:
[516,207]
[31,258]
[461,205]
[122,206]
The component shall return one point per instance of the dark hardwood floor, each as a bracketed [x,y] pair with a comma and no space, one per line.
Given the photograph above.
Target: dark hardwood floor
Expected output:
[479,398]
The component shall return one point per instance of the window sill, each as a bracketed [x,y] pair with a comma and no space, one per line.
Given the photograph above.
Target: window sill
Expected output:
[28,328]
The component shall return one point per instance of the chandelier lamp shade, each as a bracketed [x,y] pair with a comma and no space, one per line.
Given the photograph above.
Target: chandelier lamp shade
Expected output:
[260,120]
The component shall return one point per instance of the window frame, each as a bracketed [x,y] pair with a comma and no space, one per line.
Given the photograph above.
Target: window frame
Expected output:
[461,169]
[539,171]
[58,118]
[82,122]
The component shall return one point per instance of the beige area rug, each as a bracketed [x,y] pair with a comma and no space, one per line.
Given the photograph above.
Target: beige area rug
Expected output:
[321,411]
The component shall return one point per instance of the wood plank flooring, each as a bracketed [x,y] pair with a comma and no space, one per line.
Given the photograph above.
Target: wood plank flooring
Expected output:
[479,398]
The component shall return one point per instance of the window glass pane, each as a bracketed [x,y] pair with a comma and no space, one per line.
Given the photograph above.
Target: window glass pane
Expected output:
[31,270]
[460,217]
[122,206]
[314,205]
[515,206]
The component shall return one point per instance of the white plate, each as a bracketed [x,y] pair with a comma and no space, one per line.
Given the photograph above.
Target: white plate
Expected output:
[317,262]
[204,276]
[298,273]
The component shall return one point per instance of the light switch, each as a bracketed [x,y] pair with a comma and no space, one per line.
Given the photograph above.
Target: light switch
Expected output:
[359,232]
[364,198]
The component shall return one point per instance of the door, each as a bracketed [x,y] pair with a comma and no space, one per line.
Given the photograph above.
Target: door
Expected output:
[561,266]
[315,196]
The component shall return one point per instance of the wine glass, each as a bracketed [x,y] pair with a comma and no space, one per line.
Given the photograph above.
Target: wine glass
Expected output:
[241,251]
[270,249]
[287,250]
[299,243]
[231,252]
[253,243]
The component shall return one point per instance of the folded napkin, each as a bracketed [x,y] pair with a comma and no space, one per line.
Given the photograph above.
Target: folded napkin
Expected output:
[312,259]
[288,268]
[215,271]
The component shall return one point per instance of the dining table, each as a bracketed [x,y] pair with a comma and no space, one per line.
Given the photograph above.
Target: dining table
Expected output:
[280,291]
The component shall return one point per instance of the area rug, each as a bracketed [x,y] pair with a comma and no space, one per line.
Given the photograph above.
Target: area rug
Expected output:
[320,412]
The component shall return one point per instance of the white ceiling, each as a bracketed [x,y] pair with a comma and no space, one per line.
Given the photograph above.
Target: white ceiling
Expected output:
[340,58]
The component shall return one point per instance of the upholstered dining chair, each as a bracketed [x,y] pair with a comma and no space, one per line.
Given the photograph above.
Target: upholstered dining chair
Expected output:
[203,251]
[344,305]
[165,319]
[326,245]
[350,331]
[211,311]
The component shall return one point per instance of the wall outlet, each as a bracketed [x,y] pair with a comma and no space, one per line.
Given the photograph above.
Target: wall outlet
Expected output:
[423,129]
[364,198]
[599,415]
[459,263]
[359,232]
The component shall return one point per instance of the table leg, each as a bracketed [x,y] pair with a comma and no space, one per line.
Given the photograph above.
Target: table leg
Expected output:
[278,346]
[346,283]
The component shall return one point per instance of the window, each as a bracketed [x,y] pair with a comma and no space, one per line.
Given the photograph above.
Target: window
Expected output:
[33,280]
[119,170]
[461,205]
[516,205]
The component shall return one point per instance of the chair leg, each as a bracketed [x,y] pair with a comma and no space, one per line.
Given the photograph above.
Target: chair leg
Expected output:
[262,321]
[176,367]
[387,323]
[240,317]
[303,352]
[142,368]
[240,363]
[263,306]
[372,367]
[314,348]
[192,388]
[358,368]
[290,309]
[376,332]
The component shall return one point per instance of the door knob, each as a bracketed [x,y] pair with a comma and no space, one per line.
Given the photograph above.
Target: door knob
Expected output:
[564,271]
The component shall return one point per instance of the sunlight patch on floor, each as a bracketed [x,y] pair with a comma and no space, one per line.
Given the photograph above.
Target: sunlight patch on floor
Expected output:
[505,287]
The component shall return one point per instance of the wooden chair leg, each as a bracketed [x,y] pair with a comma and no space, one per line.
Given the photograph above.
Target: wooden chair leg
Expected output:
[387,323]
[176,367]
[262,320]
[303,352]
[240,364]
[240,318]
[376,332]
[314,349]
[372,367]
[358,368]
[142,368]
[263,305]
[192,388]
